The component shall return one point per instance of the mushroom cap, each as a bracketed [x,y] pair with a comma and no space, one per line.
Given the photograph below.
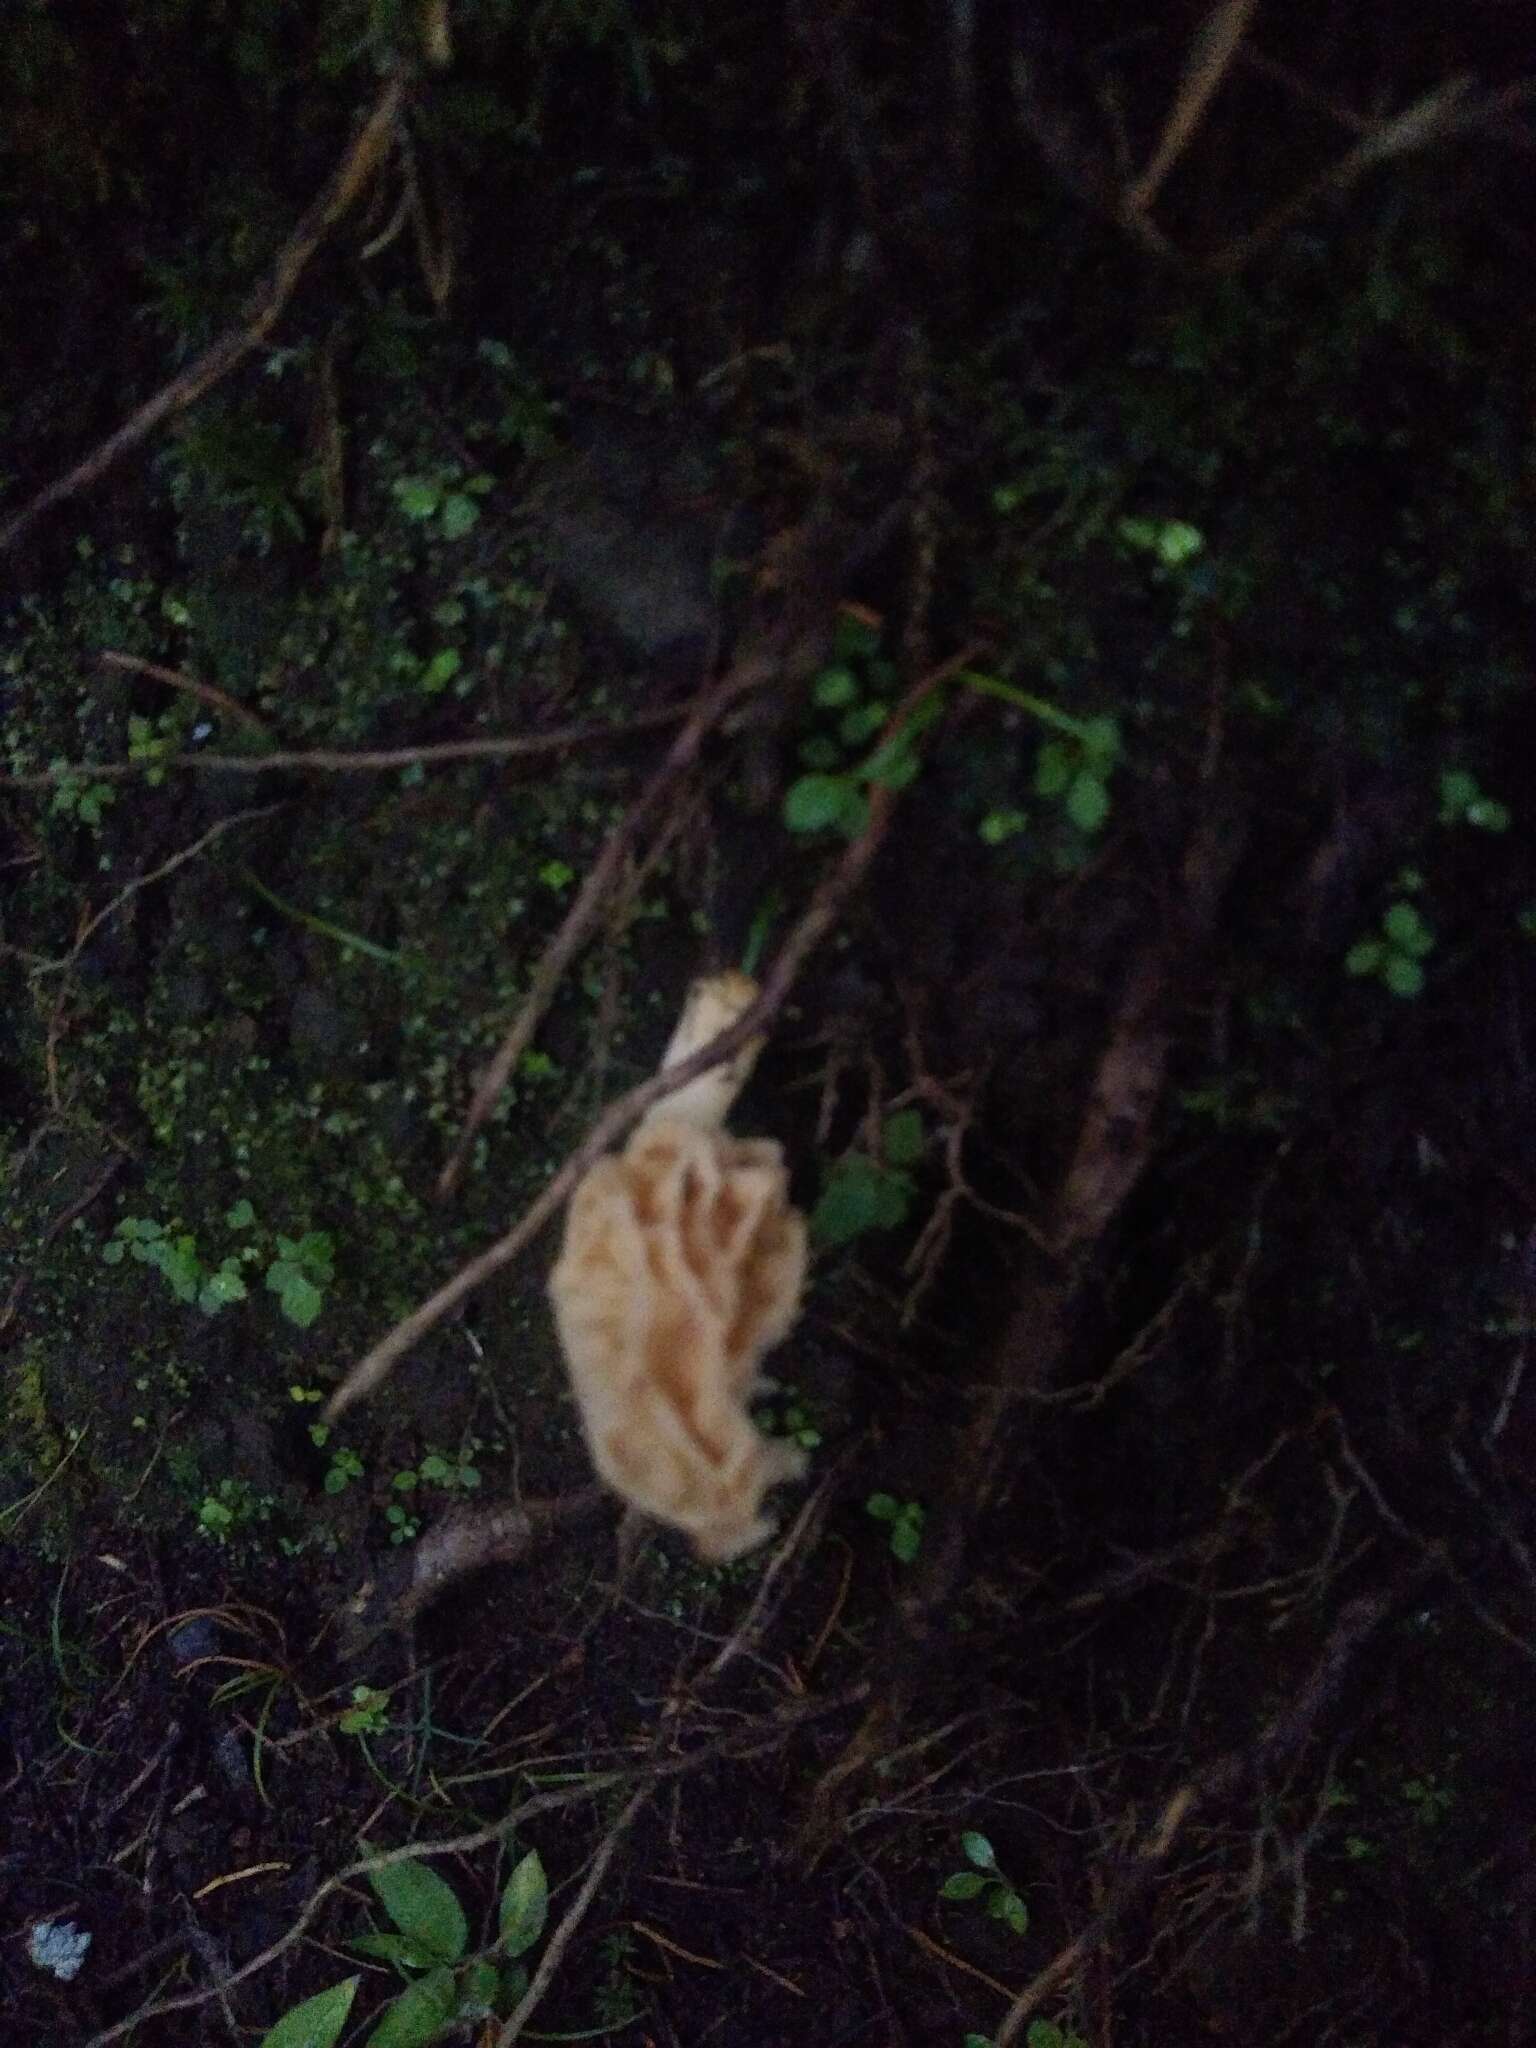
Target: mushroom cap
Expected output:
[683,1264]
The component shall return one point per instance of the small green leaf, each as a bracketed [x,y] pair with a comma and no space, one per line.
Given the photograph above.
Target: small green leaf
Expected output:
[417,498]
[1406,929]
[441,670]
[478,1991]
[299,1299]
[965,1884]
[976,2041]
[524,1906]
[1055,765]
[1000,825]
[1179,541]
[460,513]
[978,1850]
[893,1199]
[112,1251]
[862,723]
[241,1216]
[1007,1906]
[894,765]
[1487,815]
[815,802]
[906,1537]
[313,1251]
[424,1907]
[419,2014]
[1045,2034]
[1364,957]
[883,1506]
[1403,976]
[220,1289]
[1101,742]
[1458,790]
[902,1138]
[318,2022]
[854,815]
[846,1206]
[1087,802]
[834,688]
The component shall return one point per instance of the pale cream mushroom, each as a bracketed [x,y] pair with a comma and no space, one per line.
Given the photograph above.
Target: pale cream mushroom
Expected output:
[683,1264]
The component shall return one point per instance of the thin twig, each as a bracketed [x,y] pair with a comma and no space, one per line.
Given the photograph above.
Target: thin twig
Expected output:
[756,1738]
[802,1537]
[261,314]
[168,867]
[1279,1740]
[175,679]
[579,1907]
[820,915]
[344,761]
[1216,43]
[582,919]
[1427,121]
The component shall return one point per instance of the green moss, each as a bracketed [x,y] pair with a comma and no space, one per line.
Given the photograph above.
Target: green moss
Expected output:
[284,1036]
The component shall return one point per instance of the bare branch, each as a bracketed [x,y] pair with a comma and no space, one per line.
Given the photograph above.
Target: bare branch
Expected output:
[353,761]
[357,168]
[1216,43]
